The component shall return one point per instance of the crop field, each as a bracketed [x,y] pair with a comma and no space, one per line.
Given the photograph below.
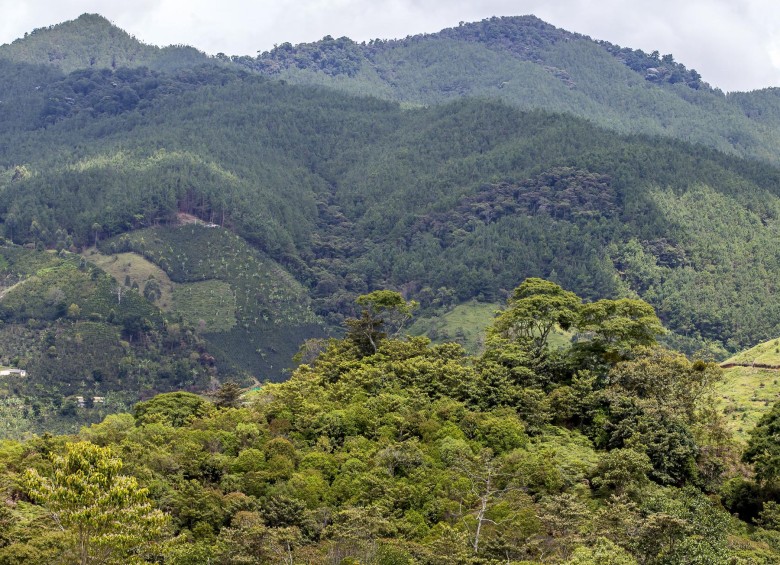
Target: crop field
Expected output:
[209,306]
[134,269]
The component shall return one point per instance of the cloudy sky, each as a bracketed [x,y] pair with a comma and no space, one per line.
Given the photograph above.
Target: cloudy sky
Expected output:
[734,44]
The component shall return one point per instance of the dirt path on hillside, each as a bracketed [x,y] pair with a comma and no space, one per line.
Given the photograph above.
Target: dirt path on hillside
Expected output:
[5,291]
[750,365]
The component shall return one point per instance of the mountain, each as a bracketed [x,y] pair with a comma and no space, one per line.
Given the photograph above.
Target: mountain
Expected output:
[530,64]
[520,60]
[91,41]
[335,195]
[169,229]
[461,200]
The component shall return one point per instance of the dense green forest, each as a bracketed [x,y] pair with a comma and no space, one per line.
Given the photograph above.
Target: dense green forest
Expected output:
[386,450]
[446,203]
[530,64]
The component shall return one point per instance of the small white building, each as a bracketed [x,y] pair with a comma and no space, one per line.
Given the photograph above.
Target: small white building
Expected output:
[17,372]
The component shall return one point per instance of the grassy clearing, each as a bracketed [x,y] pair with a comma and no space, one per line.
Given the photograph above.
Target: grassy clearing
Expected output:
[745,395]
[464,324]
[767,353]
[209,306]
[133,268]
[748,392]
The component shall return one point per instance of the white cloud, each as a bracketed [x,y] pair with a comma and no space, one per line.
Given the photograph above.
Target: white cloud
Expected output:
[734,44]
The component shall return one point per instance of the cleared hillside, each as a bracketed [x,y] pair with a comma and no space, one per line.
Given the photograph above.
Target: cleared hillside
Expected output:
[751,386]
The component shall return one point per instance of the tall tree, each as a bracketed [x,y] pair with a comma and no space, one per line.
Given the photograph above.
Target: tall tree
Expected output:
[535,308]
[383,312]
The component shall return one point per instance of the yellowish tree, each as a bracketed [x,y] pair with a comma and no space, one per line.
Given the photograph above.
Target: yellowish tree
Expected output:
[109,516]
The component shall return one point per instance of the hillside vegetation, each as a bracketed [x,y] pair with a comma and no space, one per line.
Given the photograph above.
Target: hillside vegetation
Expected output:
[338,195]
[418,453]
[79,334]
[349,194]
[251,311]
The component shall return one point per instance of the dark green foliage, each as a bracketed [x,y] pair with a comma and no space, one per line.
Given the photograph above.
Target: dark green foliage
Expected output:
[763,447]
[228,395]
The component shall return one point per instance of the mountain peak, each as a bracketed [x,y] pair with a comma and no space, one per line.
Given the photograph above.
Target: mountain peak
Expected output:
[91,40]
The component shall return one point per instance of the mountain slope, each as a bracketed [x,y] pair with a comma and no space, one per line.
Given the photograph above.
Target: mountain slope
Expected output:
[531,65]
[251,312]
[352,194]
[80,336]
[750,386]
[461,199]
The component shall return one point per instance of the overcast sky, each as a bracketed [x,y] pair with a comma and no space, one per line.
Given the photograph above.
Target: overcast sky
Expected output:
[734,44]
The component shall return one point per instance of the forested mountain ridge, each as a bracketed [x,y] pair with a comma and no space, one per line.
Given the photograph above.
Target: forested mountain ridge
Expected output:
[533,65]
[520,60]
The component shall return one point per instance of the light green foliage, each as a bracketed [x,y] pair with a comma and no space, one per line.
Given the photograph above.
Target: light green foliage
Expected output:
[109,516]
[419,452]
[535,308]
[209,306]
[382,314]
[464,323]
[602,552]
[766,353]
[139,270]
[668,379]
[745,394]
[172,408]
[619,325]
[622,469]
